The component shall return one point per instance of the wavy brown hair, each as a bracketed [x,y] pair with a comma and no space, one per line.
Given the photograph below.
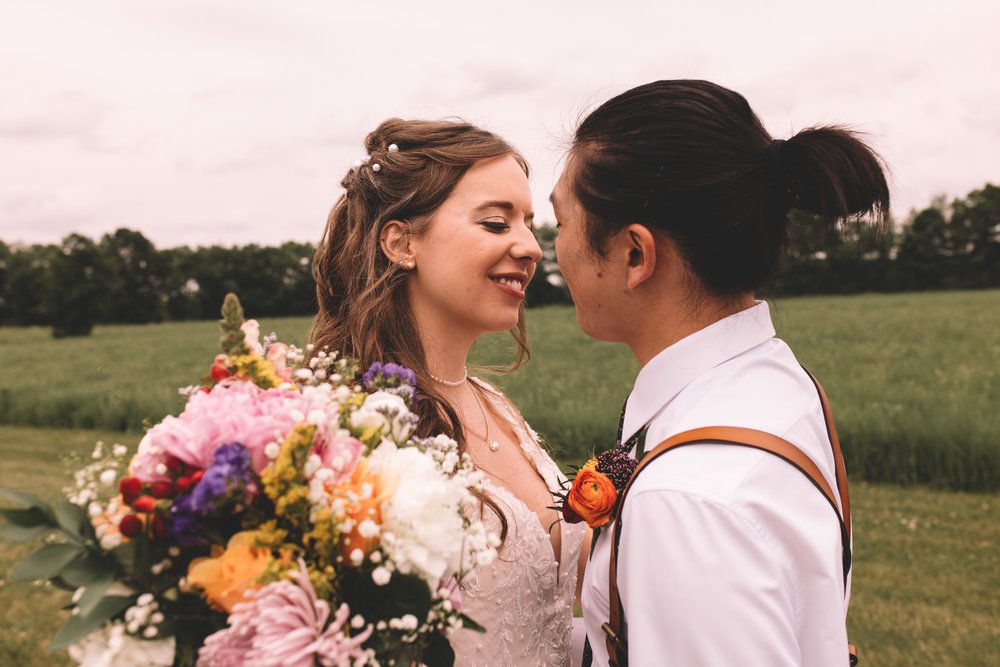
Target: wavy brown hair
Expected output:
[363,307]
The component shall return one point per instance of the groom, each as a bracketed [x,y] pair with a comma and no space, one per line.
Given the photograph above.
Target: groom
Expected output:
[671,212]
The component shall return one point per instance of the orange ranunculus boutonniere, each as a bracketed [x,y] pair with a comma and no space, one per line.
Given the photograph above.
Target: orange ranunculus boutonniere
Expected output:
[592,497]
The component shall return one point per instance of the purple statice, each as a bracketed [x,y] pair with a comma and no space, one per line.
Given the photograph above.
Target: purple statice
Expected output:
[617,465]
[393,378]
[227,480]
[224,487]
[379,376]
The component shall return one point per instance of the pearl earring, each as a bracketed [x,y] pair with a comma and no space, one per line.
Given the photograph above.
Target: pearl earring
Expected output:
[408,264]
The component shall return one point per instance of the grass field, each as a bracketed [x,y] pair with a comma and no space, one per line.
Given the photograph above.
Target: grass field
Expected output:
[912,379]
[926,572]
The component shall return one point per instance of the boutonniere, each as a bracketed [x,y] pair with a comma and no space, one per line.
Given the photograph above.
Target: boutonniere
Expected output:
[595,488]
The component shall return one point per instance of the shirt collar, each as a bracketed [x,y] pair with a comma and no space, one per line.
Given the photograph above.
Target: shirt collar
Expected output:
[666,374]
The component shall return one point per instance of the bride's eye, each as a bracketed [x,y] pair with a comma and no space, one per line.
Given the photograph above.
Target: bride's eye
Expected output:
[495,225]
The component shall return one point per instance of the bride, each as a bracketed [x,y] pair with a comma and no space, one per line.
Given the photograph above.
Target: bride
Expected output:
[430,247]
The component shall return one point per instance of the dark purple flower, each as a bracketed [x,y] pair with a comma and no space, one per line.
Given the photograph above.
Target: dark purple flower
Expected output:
[617,465]
[184,522]
[226,481]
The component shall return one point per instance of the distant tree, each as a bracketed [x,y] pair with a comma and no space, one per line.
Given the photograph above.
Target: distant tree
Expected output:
[139,272]
[548,285]
[27,284]
[976,223]
[5,253]
[82,280]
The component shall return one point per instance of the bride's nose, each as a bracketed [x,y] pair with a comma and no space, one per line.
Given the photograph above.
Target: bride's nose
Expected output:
[525,245]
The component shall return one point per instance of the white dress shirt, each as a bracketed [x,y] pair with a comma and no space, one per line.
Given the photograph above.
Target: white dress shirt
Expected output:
[729,555]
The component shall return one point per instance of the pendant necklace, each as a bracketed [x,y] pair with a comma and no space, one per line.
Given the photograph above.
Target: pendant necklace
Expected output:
[493,444]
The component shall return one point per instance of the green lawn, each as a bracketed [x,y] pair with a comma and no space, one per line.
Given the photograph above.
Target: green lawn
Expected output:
[912,379]
[927,565]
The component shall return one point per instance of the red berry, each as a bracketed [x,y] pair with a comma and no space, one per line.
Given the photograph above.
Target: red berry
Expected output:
[130,488]
[159,527]
[130,525]
[219,372]
[196,476]
[144,504]
[174,465]
[182,485]
[205,390]
[161,489]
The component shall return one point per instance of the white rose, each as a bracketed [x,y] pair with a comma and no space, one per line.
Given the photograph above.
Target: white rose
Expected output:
[386,412]
[109,646]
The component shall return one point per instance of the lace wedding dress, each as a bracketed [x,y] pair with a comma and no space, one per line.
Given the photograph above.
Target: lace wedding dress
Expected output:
[525,598]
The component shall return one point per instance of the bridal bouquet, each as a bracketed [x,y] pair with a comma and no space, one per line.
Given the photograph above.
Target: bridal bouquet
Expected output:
[288,516]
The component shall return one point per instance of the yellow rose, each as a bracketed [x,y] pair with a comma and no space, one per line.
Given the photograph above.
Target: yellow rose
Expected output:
[592,497]
[226,577]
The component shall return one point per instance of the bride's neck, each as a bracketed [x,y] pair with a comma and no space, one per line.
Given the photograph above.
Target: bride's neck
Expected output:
[446,349]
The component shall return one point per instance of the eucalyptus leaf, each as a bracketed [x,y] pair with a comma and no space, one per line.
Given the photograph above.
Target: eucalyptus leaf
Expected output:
[46,563]
[14,533]
[23,497]
[469,624]
[78,627]
[94,593]
[28,517]
[89,567]
[71,519]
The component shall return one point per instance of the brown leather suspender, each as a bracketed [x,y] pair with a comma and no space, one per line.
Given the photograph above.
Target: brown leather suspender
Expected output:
[616,629]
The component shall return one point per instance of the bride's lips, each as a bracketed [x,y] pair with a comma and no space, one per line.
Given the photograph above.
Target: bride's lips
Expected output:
[511,283]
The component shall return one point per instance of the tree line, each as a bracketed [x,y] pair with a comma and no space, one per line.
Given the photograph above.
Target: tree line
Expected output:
[124,278]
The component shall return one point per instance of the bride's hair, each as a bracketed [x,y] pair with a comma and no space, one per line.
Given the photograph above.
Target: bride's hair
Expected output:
[692,160]
[411,169]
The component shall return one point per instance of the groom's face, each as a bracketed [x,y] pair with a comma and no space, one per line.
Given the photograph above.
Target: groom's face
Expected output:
[588,276]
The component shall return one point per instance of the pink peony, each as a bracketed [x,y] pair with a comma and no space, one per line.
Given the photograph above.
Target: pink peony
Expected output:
[231,412]
[340,453]
[284,624]
[277,354]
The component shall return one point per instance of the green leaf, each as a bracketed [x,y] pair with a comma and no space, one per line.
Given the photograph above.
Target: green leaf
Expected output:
[72,519]
[470,624]
[23,497]
[14,533]
[438,652]
[27,518]
[89,567]
[46,563]
[94,592]
[80,626]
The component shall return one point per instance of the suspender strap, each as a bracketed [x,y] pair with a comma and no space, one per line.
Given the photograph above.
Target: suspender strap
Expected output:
[616,629]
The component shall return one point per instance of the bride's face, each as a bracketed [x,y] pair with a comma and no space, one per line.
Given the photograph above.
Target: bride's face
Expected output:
[474,261]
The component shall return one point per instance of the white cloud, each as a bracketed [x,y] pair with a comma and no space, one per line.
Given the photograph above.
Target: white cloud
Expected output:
[232,121]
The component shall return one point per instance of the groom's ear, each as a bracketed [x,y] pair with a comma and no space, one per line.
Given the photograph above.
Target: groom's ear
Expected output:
[395,241]
[640,244]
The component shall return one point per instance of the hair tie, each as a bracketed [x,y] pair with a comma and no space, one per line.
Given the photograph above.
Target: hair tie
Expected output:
[774,162]
[777,178]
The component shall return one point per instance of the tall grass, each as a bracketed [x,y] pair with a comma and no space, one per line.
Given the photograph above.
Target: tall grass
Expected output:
[912,379]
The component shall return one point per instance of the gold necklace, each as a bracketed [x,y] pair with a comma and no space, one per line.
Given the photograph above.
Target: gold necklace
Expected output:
[493,444]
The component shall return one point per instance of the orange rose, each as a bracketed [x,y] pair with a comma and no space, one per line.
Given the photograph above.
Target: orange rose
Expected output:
[227,576]
[592,496]
[366,506]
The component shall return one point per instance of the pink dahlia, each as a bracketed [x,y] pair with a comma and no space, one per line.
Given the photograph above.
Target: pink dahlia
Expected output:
[285,624]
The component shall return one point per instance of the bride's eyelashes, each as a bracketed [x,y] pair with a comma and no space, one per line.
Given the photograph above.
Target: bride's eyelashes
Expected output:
[495,225]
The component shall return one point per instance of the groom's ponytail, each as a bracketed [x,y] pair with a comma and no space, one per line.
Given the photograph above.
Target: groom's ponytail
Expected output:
[692,160]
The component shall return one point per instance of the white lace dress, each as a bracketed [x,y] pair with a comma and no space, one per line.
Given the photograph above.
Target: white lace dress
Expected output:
[525,598]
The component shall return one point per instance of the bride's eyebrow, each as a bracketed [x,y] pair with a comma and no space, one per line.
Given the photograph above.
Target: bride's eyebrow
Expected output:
[485,206]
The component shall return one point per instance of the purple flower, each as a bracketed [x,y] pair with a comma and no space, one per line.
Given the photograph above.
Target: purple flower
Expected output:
[225,487]
[227,480]
[617,465]
[379,376]
[184,522]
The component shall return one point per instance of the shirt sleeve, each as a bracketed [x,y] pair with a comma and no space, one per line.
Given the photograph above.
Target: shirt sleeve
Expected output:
[702,585]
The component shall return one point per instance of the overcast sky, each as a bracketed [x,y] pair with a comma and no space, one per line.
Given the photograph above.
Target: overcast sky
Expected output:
[217,121]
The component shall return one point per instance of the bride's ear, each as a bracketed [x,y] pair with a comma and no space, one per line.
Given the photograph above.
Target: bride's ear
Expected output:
[395,241]
[640,244]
